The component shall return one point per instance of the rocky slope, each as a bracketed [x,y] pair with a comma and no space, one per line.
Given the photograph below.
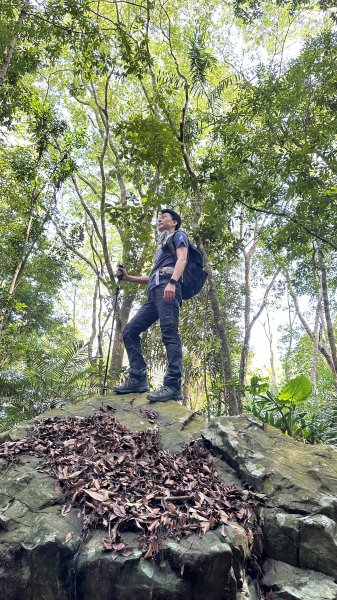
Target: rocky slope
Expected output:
[42,554]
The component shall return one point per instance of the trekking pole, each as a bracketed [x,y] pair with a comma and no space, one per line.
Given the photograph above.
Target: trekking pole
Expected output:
[118,289]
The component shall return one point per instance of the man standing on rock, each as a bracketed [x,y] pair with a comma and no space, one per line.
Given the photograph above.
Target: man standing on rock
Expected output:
[164,299]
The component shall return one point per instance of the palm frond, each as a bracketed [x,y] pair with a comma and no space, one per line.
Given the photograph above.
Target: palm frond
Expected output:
[55,381]
[72,358]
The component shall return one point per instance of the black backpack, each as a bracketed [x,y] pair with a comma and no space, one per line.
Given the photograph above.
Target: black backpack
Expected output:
[194,276]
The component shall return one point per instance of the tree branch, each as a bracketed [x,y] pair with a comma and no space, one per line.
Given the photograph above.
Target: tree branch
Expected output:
[81,256]
[290,218]
[87,209]
[309,332]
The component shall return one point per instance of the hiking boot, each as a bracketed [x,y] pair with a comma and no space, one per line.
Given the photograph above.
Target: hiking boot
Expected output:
[133,385]
[165,393]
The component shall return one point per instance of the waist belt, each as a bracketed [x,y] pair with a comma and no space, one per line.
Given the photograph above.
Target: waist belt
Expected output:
[164,272]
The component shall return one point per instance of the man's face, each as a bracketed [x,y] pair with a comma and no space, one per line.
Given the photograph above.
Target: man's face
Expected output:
[166,222]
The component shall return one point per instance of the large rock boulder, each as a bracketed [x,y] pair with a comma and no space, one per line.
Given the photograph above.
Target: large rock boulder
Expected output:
[300,482]
[42,553]
[193,568]
[290,583]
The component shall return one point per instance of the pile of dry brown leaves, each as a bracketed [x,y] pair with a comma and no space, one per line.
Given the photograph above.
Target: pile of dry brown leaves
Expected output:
[126,481]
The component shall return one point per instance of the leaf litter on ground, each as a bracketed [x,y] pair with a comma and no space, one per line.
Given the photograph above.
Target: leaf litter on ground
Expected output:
[124,481]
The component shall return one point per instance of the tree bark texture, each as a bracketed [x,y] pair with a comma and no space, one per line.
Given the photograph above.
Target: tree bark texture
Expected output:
[93,322]
[269,336]
[11,46]
[233,407]
[122,317]
[316,332]
[326,305]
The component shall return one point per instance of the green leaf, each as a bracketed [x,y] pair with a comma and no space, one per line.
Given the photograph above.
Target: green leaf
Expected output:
[296,390]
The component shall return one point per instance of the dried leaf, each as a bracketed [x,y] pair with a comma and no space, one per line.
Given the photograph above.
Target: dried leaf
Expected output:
[118,547]
[149,552]
[70,443]
[100,496]
[154,525]
[69,536]
[205,526]
[212,522]
[223,517]
[107,544]
[171,508]
[119,510]
[66,509]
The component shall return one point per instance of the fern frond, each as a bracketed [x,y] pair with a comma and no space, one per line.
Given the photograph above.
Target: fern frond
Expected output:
[72,358]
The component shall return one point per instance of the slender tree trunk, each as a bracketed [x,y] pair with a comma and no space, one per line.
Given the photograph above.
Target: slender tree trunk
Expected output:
[269,336]
[200,389]
[11,46]
[233,408]
[122,317]
[247,329]
[93,322]
[326,305]
[186,389]
[316,332]
[208,400]
[250,321]
[324,350]
[291,336]
[99,323]
[21,264]
[247,324]
[28,246]
[74,308]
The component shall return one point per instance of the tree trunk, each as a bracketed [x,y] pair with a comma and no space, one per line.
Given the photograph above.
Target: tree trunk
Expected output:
[233,408]
[269,336]
[11,46]
[313,373]
[186,389]
[291,336]
[208,400]
[324,350]
[250,321]
[247,308]
[326,305]
[93,322]
[28,246]
[99,323]
[122,317]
